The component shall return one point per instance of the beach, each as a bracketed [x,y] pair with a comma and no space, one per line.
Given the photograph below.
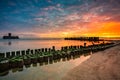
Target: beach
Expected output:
[103,65]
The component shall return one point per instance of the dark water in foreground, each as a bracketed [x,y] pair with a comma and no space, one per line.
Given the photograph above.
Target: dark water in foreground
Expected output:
[54,71]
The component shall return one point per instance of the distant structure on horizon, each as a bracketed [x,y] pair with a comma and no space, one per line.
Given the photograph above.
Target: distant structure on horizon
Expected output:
[10,36]
[83,38]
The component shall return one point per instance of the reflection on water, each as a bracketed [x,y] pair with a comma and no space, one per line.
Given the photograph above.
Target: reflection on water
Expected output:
[14,45]
[51,70]
[9,43]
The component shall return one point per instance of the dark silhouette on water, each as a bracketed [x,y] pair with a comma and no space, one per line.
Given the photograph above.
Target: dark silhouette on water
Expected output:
[10,36]
[83,38]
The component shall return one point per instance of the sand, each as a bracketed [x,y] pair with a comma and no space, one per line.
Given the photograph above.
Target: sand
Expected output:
[103,65]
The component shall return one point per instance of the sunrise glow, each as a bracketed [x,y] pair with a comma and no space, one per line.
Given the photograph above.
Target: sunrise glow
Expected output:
[60,18]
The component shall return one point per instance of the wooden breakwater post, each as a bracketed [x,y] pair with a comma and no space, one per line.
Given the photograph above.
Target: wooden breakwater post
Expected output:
[2,55]
[77,47]
[16,63]
[49,49]
[45,57]
[53,48]
[34,60]
[28,51]
[42,49]
[23,52]
[17,53]
[65,48]
[27,60]
[85,44]
[8,54]
[4,65]
[32,51]
[68,47]
[46,49]
[13,54]
[40,59]
[36,51]
[62,48]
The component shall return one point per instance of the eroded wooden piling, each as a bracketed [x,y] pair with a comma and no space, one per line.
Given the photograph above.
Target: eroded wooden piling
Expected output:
[45,55]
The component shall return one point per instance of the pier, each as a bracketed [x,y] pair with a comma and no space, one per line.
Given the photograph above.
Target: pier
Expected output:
[84,38]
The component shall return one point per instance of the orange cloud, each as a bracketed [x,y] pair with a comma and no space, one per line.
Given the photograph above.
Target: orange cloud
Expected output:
[101,29]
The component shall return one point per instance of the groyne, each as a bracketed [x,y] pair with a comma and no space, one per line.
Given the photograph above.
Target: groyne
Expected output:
[17,59]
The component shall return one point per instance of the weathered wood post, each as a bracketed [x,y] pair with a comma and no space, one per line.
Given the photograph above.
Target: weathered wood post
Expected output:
[23,52]
[2,55]
[53,48]
[74,47]
[28,51]
[49,49]
[8,54]
[4,65]
[69,47]
[39,50]
[77,47]
[45,49]
[85,44]
[36,51]
[13,53]
[42,49]
[81,46]
[31,51]
[62,48]
[17,53]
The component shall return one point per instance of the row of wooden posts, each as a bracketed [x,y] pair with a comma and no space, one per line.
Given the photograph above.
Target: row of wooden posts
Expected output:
[31,51]
[25,52]
[77,50]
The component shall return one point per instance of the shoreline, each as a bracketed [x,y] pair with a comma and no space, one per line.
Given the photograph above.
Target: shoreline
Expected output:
[103,65]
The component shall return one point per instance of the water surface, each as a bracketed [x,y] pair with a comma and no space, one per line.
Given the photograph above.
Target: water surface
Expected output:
[55,71]
[48,71]
[23,44]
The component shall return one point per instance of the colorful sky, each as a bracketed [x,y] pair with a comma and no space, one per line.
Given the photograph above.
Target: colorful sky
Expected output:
[60,18]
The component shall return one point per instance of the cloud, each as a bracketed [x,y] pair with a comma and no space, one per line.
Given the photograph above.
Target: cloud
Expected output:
[59,16]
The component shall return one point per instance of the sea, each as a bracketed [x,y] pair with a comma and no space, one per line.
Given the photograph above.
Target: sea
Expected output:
[55,71]
[7,45]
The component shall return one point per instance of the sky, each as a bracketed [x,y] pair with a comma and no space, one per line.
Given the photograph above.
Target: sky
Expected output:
[60,18]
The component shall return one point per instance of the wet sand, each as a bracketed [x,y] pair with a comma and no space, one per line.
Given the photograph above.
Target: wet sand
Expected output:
[103,65]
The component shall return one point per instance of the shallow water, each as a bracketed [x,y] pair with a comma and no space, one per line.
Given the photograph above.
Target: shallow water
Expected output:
[54,71]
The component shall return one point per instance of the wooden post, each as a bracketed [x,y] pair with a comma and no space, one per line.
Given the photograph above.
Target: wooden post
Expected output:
[28,51]
[53,48]
[39,50]
[36,51]
[45,49]
[69,47]
[81,46]
[85,44]
[49,49]
[13,53]
[61,48]
[31,51]
[23,52]
[42,49]
[2,55]
[17,53]
[77,47]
